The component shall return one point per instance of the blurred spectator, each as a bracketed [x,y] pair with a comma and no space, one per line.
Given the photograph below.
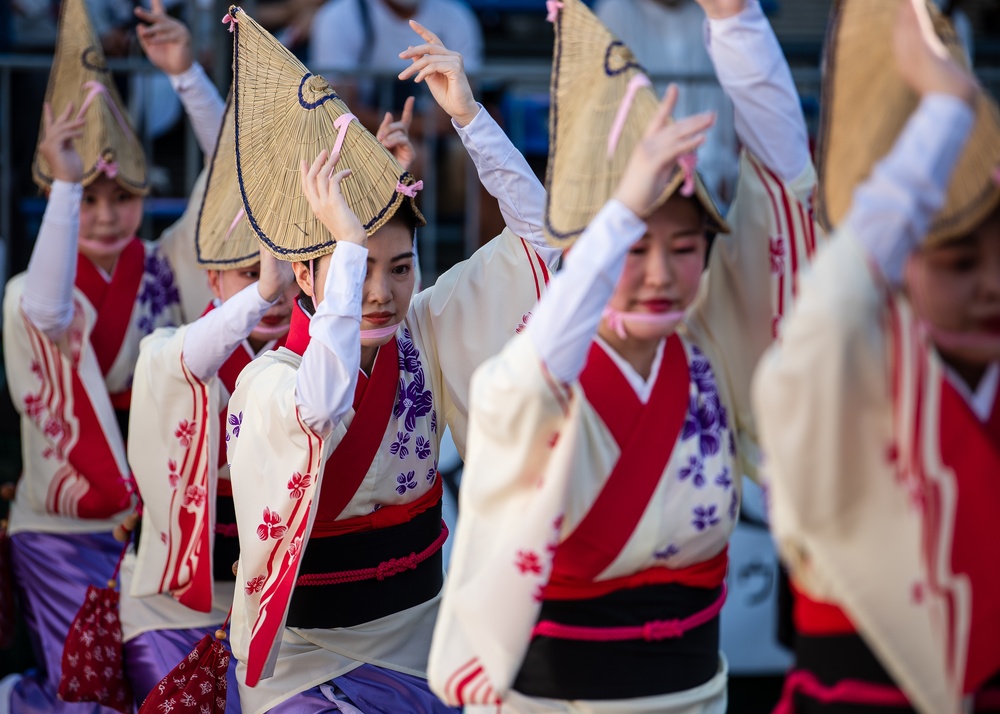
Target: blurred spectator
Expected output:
[667,37]
[289,20]
[351,34]
[952,9]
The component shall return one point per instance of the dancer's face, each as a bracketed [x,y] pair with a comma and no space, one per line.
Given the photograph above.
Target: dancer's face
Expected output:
[108,215]
[276,321]
[663,269]
[955,289]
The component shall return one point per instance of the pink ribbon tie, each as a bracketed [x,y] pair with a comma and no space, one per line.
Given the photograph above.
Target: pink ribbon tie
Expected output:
[94,88]
[687,162]
[230,20]
[553,7]
[637,82]
[343,121]
[411,190]
[232,226]
[110,168]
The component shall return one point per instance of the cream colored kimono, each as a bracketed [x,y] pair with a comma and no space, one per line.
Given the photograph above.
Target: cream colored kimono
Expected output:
[849,464]
[539,455]
[277,463]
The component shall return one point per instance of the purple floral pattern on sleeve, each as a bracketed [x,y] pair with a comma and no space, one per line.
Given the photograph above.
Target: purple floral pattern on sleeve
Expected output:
[704,517]
[399,446]
[406,482]
[157,293]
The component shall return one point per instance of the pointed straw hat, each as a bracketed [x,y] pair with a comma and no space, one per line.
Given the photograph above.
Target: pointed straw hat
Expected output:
[285,114]
[601,106]
[224,239]
[866,105]
[80,75]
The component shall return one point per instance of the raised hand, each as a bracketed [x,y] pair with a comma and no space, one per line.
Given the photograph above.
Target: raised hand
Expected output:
[275,276]
[322,190]
[57,144]
[444,72]
[166,41]
[395,135]
[654,158]
[720,9]
[922,58]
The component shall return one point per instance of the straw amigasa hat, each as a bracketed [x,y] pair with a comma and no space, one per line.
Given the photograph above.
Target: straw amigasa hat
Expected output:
[80,75]
[285,114]
[866,104]
[223,239]
[601,105]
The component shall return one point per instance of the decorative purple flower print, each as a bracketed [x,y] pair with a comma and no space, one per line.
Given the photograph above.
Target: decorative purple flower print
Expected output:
[409,355]
[734,504]
[406,481]
[399,447]
[693,471]
[423,448]
[732,444]
[724,479]
[704,517]
[701,372]
[375,508]
[158,291]
[669,552]
[235,421]
[432,472]
[434,421]
[702,422]
[414,401]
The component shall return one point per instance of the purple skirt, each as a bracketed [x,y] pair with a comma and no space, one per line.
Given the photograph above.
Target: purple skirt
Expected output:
[370,690]
[150,656]
[51,574]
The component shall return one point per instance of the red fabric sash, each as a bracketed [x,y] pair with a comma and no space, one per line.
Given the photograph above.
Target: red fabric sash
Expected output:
[645,435]
[818,618]
[972,450]
[374,399]
[113,300]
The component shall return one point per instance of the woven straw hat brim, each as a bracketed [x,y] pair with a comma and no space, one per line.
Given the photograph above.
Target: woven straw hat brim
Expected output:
[866,105]
[223,239]
[591,72]
[285,114]
[107,131]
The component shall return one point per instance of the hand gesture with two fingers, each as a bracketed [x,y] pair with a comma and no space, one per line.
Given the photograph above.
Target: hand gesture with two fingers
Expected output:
[57,147]
[322,189]
[395,135]
[444,73]
[165,40]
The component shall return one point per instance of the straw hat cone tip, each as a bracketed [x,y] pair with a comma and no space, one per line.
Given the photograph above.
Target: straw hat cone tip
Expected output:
[601,104]
[866,105]
[223,238]
[283,115]
[79,75]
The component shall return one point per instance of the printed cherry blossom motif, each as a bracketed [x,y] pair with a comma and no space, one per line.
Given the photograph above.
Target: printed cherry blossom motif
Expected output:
[704,517]
[434,421]
[194,497]
[777,255]
[734,505]
[163,537]
[376,507]
[255,585]
[528,562]
[406,481]
[669,552]
[270,528]
[523,324]
[174,477]
[158,292]
[294,549]
[693,470]
[34,406]
[723,479]
[423,447]
[235,421]
[36,368]
[54,429]
[776,327]
[432,472]
[409,355]
[185,431]
[399,447]
[298,484]
[702,422]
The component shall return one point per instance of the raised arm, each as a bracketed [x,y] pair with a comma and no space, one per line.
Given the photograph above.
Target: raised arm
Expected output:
[167,43]
[326,380]
[753,72]
[48,291]
[212,338]
[504,172]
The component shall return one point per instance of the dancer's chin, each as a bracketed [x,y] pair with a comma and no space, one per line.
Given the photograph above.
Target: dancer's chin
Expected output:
[102,249]
[266,333]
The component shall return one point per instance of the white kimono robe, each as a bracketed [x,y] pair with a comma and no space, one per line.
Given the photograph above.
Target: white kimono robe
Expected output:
[277,464]
[540,454]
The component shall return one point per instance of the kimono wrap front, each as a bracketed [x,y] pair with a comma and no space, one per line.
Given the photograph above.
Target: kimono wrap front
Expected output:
[76,478]
[883,481]
[655,486]
[279,467]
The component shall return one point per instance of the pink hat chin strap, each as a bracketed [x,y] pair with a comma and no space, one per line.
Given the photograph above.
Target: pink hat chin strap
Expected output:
[619,321]
[950,340]
[379,332]
[105,249]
